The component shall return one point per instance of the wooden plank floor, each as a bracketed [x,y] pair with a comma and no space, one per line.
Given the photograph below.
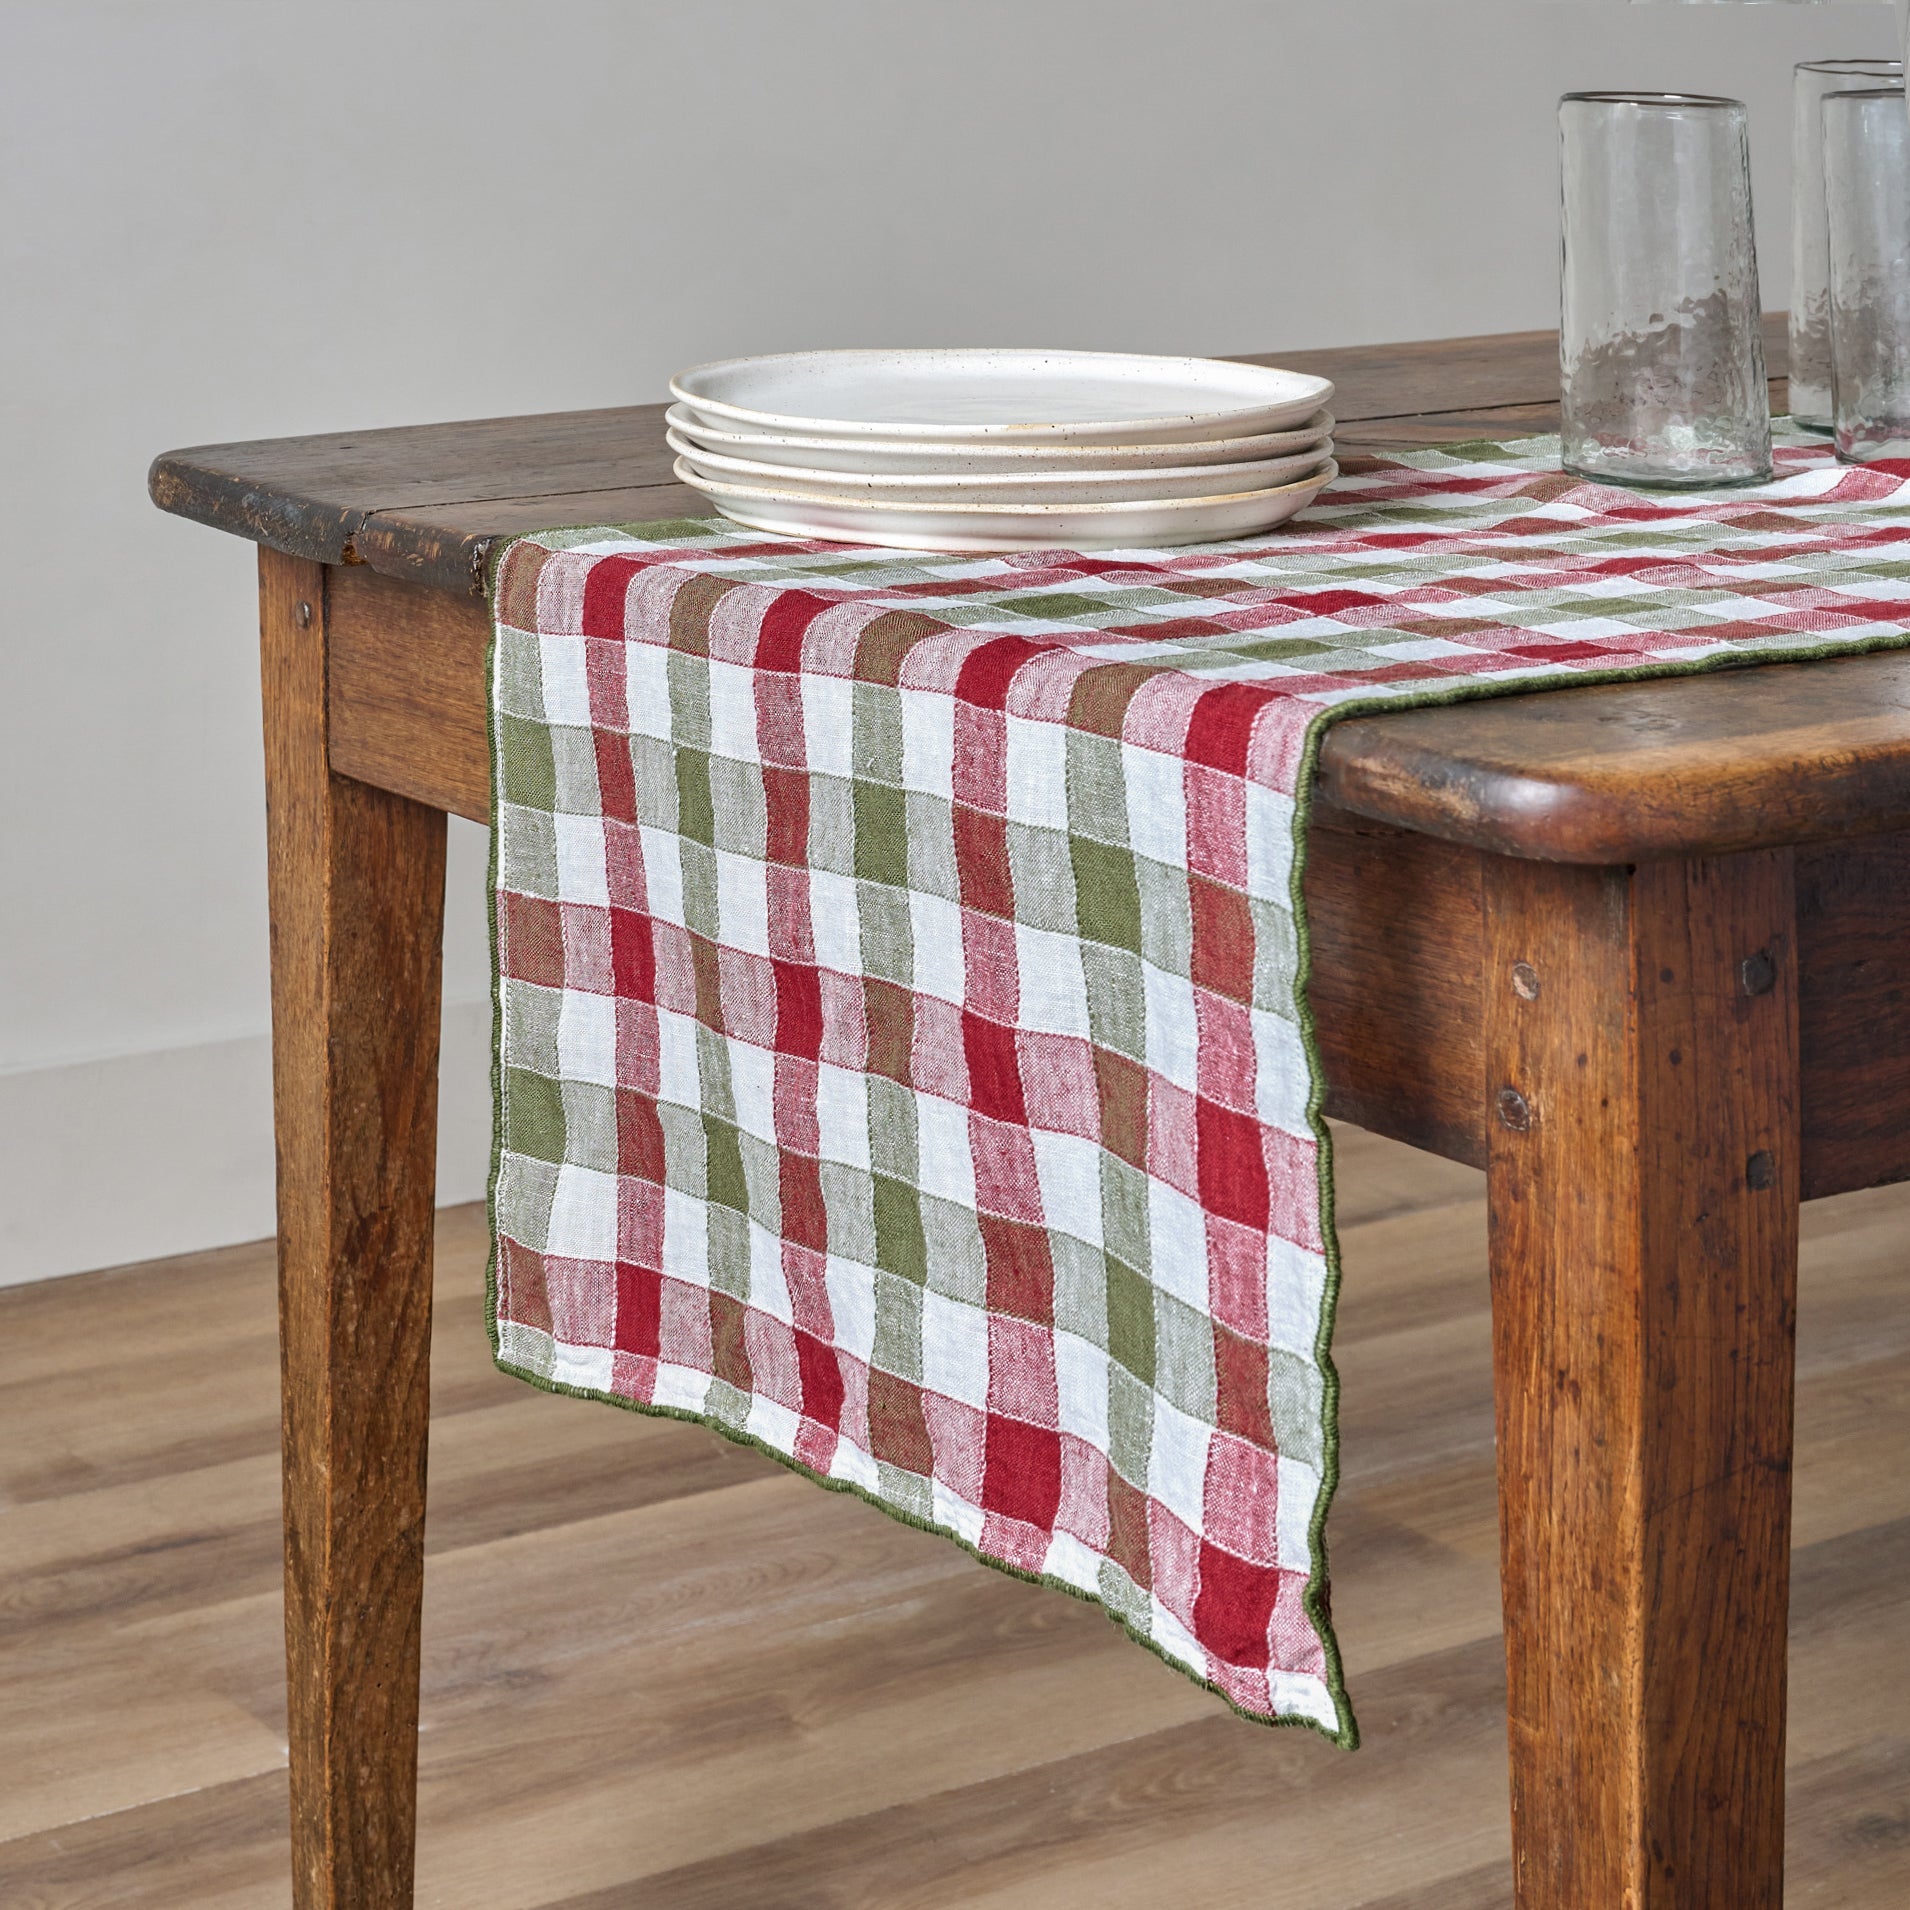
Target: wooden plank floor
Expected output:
[661,1672]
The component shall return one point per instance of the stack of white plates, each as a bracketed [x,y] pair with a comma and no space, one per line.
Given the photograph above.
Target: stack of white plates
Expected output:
[1002,450]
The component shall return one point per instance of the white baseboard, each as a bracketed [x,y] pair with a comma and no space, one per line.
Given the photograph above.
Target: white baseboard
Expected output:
[140,1156]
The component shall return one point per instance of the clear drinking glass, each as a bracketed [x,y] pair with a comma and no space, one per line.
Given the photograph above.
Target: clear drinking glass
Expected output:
[1660,351]
[1867,199]
[1810,243]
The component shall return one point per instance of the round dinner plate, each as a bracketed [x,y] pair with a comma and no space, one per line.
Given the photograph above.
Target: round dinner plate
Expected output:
[1021,487]
[865,456]
[1062,397]
[1140,522]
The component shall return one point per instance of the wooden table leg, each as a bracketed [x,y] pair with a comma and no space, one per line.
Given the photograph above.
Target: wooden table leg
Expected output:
[357,890]
[1641,1042]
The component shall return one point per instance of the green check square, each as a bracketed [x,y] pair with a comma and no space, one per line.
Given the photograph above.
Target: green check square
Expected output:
[527,773]
[537,1115]
[1131,1320]
[882,835]
[1107,898]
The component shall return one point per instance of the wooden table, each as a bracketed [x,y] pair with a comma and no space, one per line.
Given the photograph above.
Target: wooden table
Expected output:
[1636,950]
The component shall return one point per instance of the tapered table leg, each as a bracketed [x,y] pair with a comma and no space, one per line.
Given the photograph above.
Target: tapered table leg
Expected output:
[1641,1039]
[357,894]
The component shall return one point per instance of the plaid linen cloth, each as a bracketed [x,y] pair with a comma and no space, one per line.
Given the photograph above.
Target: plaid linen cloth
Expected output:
[904,1061]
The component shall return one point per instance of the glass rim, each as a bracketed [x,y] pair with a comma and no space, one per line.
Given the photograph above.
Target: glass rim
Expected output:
[1710,102]
[1882,63]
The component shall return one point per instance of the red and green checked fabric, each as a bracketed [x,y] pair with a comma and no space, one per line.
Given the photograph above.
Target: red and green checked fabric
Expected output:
[903,1055]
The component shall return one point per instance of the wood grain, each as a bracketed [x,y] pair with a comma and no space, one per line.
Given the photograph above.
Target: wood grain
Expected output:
[1406,377]
[427,502]
[1644,1174]
[1704,765]
[1397,930]
[408,698]
[1363,436]
[357,893]
[1853,927]
[437,544]
[310,496]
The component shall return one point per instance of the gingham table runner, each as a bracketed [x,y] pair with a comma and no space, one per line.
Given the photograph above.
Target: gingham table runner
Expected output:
[903,1059]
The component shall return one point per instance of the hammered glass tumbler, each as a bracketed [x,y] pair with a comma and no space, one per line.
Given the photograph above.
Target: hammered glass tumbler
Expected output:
[1810,239]
[1867,202]
[1661,352]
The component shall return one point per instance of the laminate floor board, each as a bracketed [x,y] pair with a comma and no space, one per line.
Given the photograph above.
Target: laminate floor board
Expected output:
[142,1317]
[1850,1644]
[661,1671]
[776,1658]
[139,1421]
[1441,1481]
[1838,1483]
[1375,1177]
[1419,1813]
[1487,1888]
[1847,1827]
[1181,1815]
[220,1847]
[1853,1280]
[745,1595]
[1417,1268]
[155,1728]
[127,1551]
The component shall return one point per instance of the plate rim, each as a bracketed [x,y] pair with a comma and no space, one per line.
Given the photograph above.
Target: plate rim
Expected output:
[878,483]
[1318,479]
[964,433]
[1316,429]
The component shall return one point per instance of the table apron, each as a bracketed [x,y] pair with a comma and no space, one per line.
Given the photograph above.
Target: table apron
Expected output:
[1397,918]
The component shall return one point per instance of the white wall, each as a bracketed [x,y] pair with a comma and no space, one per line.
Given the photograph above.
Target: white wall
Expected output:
[238,218]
